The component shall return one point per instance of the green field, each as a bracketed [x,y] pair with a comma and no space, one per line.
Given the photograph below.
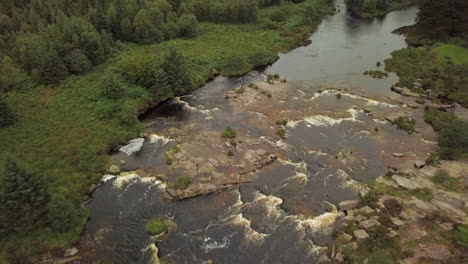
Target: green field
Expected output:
[458,55]
[61,132]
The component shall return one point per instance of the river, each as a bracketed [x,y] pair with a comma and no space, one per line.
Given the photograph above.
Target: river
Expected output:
[283,210]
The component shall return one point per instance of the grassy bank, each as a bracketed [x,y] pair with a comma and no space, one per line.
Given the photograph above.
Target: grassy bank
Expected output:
[368,9]
[64,132]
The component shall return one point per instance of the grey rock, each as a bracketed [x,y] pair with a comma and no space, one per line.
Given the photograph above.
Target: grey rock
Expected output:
[367,210]
[390,183]
[397,221]
[399,155]
[339,257]
[114,169]
[392,233]
[323,259]
[347,237]
[133,146]
[405,182]
[360,234]
[70,252]
[419,164]
[368,224]
[348,204]
[122,162]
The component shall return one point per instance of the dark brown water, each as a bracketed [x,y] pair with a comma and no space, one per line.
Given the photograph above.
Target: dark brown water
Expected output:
[284,216]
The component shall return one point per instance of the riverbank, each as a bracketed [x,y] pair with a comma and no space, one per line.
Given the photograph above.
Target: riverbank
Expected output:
[63,124]
[369,9]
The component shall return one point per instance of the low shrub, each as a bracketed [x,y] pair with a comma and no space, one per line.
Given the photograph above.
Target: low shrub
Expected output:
[369,199]
[281,133]
[437,119]
[156,226]
[229,133]
[282,122]
[406,123]
[453,140]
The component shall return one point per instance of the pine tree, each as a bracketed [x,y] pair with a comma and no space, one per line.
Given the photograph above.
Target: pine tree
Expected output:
[63,215]
[174,65]
[23,198]
[7,116]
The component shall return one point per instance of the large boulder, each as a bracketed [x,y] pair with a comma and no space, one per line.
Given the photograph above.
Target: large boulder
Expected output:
[360,234]
[114,169]
[133,146]
[348,204]
[70,252]
[405,182]
[419,164]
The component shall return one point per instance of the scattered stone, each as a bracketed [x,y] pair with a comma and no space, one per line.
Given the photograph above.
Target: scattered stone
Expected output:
[92,188]
[352,212]
[392,233]
[447,226]
[419,164]
[348,204]
[323,259]
[405,182]
[352,245]
[114,169]
[360,234]
[367,210]
[122,162]
[390,183]
[397,221]
[399,155]
[70,252]
[339,257]
[433,252]
[204,179]
[349,218]
[368,224]
[347,237]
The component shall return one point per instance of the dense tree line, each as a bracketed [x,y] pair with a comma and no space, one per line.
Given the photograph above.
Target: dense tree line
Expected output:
[448,18]
[48,40]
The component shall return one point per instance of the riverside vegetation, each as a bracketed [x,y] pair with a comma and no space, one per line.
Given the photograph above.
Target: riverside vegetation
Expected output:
[435,65]
[376,8]
[75,75]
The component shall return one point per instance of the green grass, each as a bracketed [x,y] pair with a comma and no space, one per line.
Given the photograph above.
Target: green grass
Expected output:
[156,226]
[65,131]
[457,54]
[443,78]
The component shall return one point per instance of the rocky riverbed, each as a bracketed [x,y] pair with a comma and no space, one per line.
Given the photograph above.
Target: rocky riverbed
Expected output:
[300,153]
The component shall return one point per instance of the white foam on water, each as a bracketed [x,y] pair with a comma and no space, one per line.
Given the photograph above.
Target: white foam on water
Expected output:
[187,107]
[369,102]
[210,244]
[127,177]
[133,146]
[152,250]
[107,177]
[250,235]
[300,177]
[326,121]
[155,138]
[320,224]
[348,182]
[123,179]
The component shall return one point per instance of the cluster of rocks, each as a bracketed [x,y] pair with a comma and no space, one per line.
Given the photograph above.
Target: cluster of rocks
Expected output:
[446,209]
